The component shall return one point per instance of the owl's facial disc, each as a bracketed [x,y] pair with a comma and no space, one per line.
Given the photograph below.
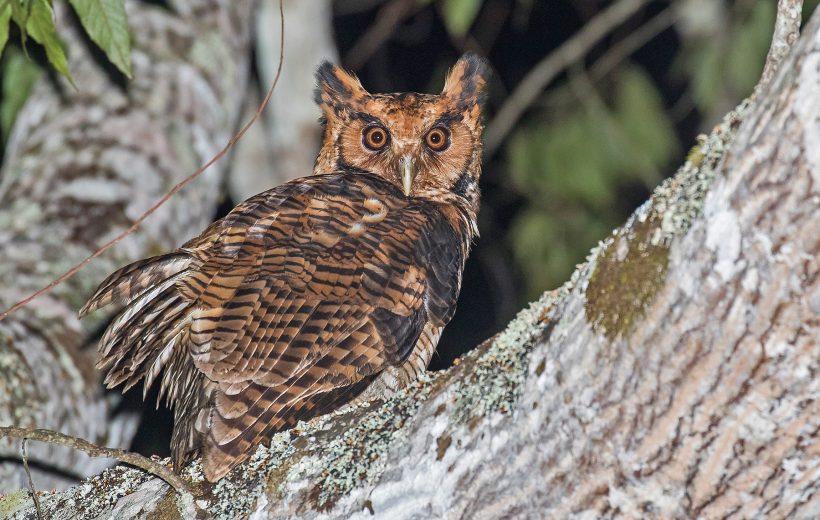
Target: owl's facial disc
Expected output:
[427,145]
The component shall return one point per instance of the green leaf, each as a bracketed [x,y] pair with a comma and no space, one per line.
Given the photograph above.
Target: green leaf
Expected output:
[650,141]
[748,48]
[5,19]
[707,76]
[567,159]
[576,162]
[106,23]
[547,243]
[459,15]
[808,9]
[20,10]
[536,244]
[40,27]
[18,77]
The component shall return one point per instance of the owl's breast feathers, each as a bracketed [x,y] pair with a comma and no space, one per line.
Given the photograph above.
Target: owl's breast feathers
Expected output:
[287,308]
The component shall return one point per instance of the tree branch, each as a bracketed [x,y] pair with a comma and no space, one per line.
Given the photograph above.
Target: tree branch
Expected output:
[24,453]
[620,51]
[388,18]
[284,144]
[134,459]
[786,32]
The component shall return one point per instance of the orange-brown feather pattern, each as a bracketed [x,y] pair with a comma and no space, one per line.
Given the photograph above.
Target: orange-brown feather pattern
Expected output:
[313,294]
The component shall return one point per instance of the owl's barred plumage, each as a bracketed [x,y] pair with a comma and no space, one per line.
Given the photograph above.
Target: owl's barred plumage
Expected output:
[317,292]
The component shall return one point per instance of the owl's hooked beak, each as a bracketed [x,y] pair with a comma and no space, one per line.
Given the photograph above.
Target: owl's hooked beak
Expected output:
[408,173]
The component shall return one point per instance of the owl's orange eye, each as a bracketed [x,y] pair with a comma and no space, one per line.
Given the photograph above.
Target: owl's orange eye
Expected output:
[438,139]
[375,138]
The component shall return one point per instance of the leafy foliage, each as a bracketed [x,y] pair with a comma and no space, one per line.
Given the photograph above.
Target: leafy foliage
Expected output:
[5,19]
[725,64]
[647,138]
[569,171]
[458,15]
[40,26]
[572,161]
[19,75]
[105,22]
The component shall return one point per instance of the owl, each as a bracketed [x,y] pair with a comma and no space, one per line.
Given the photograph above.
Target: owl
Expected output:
[325,290]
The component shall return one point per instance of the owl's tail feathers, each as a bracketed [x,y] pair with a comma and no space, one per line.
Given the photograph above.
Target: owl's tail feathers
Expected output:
[130,282]
[232,440]
[191,393]
[140,340]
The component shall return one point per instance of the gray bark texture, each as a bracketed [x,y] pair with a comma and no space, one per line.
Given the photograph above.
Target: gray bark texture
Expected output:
[81,166]
[674,376]
[288,134]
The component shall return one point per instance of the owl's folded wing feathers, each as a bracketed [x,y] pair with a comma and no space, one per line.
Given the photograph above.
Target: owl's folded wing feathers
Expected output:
[287,308]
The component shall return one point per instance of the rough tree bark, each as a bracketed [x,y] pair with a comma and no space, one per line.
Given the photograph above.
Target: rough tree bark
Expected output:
[81,166]
[675,374]
[287,136]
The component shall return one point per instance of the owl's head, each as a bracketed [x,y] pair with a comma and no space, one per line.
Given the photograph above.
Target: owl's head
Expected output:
[428,145]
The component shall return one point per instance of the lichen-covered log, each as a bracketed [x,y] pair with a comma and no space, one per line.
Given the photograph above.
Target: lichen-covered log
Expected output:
[80,167]
[674,376]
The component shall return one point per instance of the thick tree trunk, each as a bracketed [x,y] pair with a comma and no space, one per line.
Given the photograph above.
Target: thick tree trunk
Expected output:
[674,376]
[288,134]
[81,166]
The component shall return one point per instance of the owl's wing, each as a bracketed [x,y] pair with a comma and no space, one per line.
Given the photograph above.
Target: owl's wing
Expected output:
[320,294]
[291,305]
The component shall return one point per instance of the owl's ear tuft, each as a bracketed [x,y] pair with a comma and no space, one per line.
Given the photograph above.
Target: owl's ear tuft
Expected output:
[336,88]
[466,82]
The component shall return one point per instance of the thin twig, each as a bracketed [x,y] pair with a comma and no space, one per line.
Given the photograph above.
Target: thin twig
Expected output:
[547,69]
[786,31]
[622,50]
[105,247]
[32,490]
[632,42]
[94,450]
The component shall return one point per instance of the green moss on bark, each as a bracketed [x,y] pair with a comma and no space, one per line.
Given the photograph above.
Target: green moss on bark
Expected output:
[629,272]
[630,267]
